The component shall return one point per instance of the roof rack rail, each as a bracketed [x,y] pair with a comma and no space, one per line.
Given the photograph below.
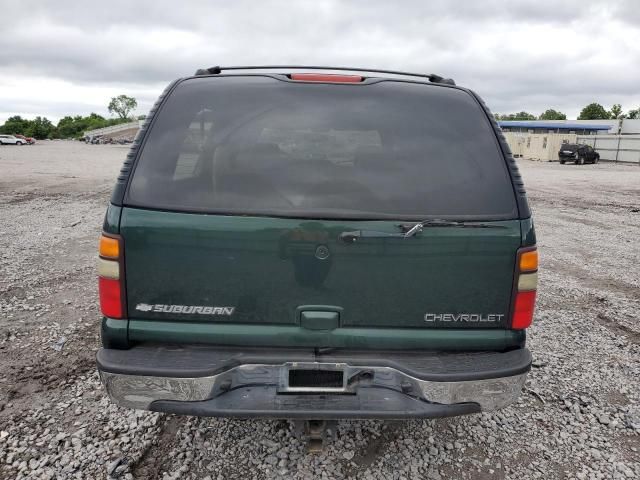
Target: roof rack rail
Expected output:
[433,78]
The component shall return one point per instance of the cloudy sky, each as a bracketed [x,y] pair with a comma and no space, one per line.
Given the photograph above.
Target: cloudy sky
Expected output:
[71,57]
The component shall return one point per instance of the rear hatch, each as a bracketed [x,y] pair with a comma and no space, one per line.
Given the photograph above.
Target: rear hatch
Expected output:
[568,149]
[268,208]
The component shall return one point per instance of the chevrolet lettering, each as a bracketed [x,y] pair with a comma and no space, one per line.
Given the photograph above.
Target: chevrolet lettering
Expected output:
[463,317]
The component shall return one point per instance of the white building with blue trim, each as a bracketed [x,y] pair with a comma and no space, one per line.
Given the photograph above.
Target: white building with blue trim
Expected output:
[575,127]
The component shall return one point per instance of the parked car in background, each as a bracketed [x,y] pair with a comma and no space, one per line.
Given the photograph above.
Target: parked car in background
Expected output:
[28,140]
[11,140]
[578,153]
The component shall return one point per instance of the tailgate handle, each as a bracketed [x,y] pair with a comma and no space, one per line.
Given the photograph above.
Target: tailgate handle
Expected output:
[319,318]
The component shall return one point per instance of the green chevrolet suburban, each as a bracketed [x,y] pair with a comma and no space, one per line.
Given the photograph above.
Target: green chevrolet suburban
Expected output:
[317,243]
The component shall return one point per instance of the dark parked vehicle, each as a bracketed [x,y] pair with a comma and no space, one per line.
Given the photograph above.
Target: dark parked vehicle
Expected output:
[578,153]
[317,246]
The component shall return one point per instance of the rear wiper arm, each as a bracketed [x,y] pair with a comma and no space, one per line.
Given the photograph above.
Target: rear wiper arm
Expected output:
[412,229]
[409,230]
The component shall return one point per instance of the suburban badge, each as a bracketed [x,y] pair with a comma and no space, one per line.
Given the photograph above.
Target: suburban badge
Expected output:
[188,309]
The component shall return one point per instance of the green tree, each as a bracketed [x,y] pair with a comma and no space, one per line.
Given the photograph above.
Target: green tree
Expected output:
[518,116]
[40,128]
[616,111]
[594,111]
[524,116]
[551,114]
[92,122]
[15,124]
[74,127]
[67,127]
[634,114]
[122,105]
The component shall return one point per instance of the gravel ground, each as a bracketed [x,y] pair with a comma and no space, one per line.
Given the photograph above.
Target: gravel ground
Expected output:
[578,417]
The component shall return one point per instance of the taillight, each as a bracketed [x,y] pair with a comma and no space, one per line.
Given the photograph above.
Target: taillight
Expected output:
[526,284]
[110,297]
[111,276]
[109,247]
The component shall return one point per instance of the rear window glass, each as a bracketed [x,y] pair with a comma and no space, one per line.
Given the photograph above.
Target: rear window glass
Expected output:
[569,146]
[257,145]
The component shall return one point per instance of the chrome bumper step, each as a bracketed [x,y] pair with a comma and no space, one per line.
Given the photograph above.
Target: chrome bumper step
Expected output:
[365,388]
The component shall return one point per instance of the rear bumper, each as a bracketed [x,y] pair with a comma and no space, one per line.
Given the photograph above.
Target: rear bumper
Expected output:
[225,382]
